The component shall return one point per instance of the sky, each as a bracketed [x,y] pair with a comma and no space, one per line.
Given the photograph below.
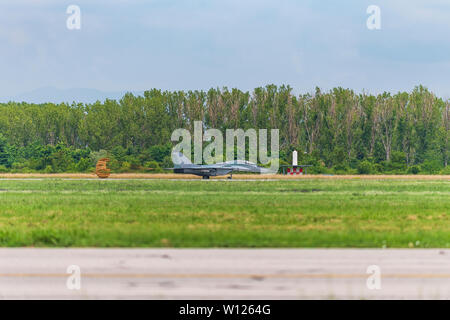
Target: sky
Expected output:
[137,45]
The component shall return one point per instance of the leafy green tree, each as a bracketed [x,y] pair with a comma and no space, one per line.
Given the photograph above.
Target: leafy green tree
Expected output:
[338,129]
[4,157]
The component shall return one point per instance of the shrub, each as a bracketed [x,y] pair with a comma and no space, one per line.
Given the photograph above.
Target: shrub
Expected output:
[48,169]
[119,153]
[159,152]
[341,169]
[319,168]
[18,165]
[445,171]
[431,166]
[61,159]
[378,168]
[114,165]
[83,165]
[134,164]
[414,169]
[397,165]
[365,167]
[125,167]
[167,162]
[153,166]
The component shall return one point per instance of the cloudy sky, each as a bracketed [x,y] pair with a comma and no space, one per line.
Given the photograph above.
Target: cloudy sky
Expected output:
[173,44]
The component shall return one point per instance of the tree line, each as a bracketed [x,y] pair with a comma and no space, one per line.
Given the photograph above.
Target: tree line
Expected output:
[338,131]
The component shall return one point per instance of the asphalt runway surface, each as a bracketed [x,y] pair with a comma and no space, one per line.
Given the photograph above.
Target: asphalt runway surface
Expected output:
[30,273]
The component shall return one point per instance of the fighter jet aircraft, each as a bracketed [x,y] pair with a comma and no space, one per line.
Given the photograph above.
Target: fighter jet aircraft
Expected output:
[184,165]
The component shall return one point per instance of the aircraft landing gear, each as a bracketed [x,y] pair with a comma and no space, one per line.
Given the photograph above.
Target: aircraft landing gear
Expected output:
[230,177]
[205,177]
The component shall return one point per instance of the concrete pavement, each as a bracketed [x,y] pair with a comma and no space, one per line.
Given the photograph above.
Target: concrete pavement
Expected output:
[225,273]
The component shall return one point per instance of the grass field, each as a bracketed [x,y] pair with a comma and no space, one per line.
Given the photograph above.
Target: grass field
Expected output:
[169,213]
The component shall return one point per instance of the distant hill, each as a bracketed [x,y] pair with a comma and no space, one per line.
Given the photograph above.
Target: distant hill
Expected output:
[55,95]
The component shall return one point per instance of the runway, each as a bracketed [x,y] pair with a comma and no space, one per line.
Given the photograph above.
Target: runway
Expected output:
[31,273]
